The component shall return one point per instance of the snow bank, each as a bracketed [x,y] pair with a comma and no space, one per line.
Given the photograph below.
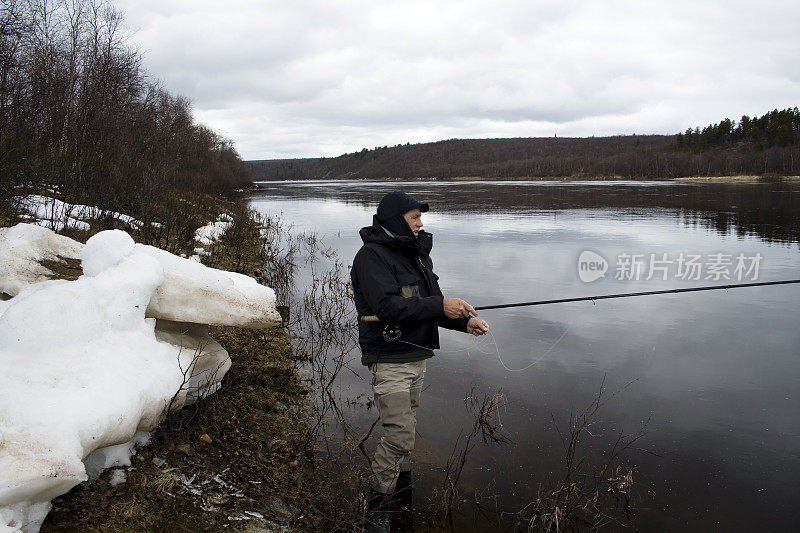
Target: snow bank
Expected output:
[85,374]
[25,249]
[193,292]
[82,369]
[206,372]
[190,292]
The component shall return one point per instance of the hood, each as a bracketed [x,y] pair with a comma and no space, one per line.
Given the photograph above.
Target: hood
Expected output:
[395,235]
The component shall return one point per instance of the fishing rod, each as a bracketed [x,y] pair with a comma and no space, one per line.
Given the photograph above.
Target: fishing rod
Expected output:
[373,318]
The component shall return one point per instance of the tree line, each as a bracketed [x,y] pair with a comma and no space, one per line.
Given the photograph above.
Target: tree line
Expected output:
[80,115]
[766,145]
[776,128]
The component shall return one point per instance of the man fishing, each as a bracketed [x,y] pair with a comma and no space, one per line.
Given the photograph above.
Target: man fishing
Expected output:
[393,280]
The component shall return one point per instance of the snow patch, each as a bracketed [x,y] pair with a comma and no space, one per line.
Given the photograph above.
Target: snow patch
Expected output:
[193,292]
[57,215]
[118,477]
[116,455]
[190,291]
[82,370]
[23,248]
[213,231]
[86,374]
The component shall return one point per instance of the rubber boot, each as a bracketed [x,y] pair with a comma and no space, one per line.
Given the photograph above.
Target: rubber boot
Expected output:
[376,519]
[402,515]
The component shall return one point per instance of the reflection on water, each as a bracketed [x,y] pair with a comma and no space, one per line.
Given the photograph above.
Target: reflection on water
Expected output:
[717,374]
[768,210]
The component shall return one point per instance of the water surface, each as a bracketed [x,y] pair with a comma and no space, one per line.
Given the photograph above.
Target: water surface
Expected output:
[714,376]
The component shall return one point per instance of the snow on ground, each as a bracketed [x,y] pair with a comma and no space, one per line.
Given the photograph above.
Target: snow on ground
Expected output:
[213,230]
[85,375]
[191,292]
[55,214]
[23,249]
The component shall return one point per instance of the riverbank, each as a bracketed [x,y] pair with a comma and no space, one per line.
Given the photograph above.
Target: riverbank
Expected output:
[693,179]
[739,179]
[715,179]
[234,461]
[242,459]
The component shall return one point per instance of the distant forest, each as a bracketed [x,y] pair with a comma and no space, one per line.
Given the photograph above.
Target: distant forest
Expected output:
[776,128]
[80,116]
[758,146]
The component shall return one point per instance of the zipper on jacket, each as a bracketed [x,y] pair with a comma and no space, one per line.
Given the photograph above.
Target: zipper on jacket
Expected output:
[425,274]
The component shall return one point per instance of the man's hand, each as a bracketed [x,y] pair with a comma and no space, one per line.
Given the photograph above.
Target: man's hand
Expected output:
[457,308]
[477,326]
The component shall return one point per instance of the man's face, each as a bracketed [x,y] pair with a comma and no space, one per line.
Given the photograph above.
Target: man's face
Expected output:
[414,219]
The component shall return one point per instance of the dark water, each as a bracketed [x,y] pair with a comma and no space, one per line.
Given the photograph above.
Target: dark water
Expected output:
[715,376]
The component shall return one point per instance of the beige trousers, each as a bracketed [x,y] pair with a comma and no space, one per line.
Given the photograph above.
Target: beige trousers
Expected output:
[396,387]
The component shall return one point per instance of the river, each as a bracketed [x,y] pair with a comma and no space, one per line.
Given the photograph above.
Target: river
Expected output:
[713,378]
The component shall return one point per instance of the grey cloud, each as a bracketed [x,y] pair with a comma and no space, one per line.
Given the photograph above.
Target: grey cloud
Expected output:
[340,76]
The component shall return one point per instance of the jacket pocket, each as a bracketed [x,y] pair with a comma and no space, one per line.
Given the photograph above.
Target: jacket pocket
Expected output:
[409,286]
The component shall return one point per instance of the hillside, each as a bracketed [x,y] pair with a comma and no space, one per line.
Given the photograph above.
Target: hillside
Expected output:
[521,157]
[758,146]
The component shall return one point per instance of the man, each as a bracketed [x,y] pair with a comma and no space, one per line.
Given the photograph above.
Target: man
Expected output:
[393,279]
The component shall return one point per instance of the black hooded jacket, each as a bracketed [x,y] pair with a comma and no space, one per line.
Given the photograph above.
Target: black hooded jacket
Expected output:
[393,278]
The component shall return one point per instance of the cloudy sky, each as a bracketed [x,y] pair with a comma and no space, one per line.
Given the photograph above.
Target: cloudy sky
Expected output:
[322,78]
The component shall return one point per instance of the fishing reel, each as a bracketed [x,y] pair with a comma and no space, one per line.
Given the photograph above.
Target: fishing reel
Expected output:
[391,333]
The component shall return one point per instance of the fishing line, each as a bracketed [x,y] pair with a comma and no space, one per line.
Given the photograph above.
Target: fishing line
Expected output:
[480,348]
